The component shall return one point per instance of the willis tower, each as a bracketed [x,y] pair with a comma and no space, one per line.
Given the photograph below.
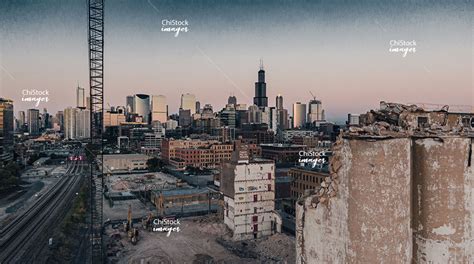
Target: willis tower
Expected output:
[261,99]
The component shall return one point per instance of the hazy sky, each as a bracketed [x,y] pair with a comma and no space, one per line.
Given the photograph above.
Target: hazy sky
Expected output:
[337,49]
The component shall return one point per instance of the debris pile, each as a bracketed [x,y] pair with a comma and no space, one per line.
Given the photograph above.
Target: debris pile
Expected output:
[399,120]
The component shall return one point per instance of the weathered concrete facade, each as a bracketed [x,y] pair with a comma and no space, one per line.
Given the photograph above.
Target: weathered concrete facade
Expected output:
[443,201]
[366,218]
[400,191]
[392,200]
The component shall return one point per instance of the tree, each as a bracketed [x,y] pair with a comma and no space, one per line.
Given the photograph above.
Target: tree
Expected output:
[154,164]
[9,175]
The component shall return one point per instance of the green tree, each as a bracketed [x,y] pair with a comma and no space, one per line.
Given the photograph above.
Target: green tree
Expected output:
[154,164]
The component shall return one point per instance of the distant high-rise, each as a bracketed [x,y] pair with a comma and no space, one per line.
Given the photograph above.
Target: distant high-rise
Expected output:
[76,123]
[141,106]
[232,100]
[129,104]
[21,121]
[159,108]
[80,98]
[315,111]
[188,102]
[279,102]
[299,115]
[60,120]
[185,117]
[88,103]
[6,129]
[254,115]
[228,116]
[198,107]
[33,121]
[261,99]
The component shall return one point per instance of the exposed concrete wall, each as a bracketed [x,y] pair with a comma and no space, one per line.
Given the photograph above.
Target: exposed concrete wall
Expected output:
[443,206]
[363,216]
[379,204]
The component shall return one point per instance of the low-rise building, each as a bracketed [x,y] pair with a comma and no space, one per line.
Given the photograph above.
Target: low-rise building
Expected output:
[282,153]
[170,145]
[304,178]
[125,162]
[203,157]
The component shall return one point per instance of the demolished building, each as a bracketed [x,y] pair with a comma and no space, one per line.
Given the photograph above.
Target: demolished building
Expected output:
[400,190]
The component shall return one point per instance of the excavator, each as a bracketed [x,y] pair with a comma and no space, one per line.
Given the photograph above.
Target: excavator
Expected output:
[131,231]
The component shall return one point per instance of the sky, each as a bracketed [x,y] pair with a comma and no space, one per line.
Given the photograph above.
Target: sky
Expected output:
[338,50]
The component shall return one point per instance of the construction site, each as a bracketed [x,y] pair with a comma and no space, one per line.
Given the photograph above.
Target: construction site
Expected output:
[203,239]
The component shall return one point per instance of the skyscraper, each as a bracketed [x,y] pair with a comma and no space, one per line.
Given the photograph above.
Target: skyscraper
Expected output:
[33,121]
[141,106]
[129,104]
[159,108]
[279,102]
[188,102]
[315,111]
[185,117]
[76,123]
[6,129]
[281,114]
[299,115]
[232,100]
[21,121]
[198,107]
[80,98]
[261,99]
[60,120]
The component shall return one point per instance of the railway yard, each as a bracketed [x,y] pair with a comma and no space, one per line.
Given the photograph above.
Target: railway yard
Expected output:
[26,233]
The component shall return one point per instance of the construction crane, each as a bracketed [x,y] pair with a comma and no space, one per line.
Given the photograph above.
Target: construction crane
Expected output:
[314,97]
[96,82]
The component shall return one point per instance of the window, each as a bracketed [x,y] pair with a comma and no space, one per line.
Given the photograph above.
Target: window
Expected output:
[255,210]
[269,175]
[269,187]
[255,197]
[422,122]
[255,218]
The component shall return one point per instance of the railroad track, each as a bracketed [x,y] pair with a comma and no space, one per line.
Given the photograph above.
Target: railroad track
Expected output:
[27,228]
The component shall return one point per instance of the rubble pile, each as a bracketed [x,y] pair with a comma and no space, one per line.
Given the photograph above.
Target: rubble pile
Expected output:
[399,120]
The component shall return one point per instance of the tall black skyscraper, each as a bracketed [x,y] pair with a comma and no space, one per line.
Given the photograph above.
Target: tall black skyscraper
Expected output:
[261,99]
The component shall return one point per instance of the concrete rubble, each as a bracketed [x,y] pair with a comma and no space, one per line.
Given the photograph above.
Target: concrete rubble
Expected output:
[398,120]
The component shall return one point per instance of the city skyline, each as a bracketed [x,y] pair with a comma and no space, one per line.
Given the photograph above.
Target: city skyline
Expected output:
[350,61]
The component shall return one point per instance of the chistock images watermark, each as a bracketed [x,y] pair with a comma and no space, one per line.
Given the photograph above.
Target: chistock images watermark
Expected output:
[404,47]
[174,26]
[313,158]
[166,225]
[35,96]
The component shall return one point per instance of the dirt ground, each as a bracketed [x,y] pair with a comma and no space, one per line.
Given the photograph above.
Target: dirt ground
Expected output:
[200,240]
